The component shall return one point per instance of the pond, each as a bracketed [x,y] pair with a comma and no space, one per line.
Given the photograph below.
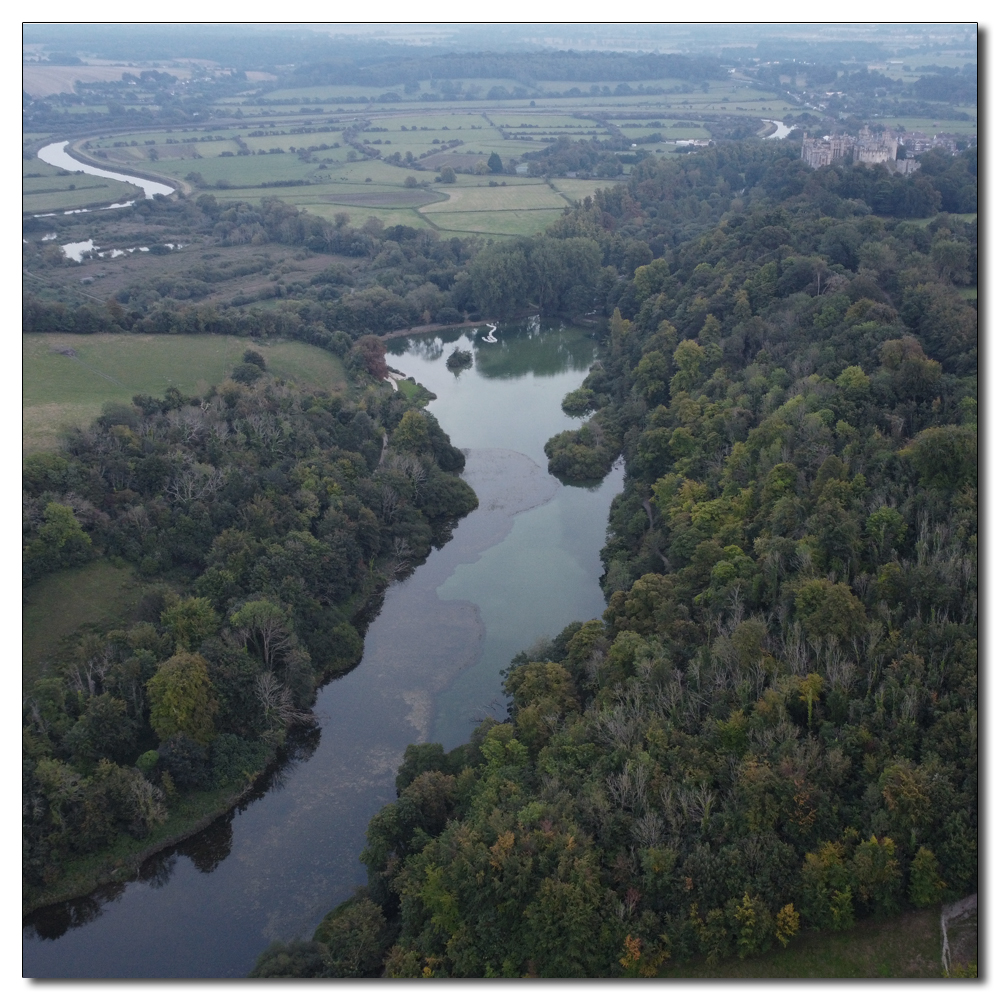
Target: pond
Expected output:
[523,565]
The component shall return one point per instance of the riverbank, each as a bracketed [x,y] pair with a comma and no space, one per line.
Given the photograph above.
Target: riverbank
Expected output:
[123,860]
[68,155]
[522,314]
[417,331]
[73,149]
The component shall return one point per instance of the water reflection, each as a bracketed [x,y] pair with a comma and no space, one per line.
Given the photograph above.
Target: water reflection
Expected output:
[526,348]
[206,850]
[525,563]
[53,922]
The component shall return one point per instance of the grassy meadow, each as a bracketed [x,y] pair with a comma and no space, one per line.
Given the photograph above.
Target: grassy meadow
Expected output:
[61,391]
[907,946]
[58,606]
[45,188]
[265,153]
[338,180]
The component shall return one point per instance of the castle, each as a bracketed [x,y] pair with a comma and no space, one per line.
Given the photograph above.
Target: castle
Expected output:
[866,148]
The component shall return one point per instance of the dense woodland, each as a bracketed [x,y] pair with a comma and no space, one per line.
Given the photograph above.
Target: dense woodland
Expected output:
[387,278]
[263,525]
[774,725]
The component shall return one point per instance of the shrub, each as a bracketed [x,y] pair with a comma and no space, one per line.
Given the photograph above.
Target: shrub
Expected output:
[186,761]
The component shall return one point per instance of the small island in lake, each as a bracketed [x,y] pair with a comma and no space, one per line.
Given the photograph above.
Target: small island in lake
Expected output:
[458,360]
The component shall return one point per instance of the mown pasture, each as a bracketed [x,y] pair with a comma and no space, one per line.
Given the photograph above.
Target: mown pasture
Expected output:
[62,390]
[509,222]
[273,150]
[45,188]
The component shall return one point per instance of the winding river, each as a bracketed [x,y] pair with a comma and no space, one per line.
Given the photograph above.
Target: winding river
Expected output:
[781,129]
[55,155]
[522,566]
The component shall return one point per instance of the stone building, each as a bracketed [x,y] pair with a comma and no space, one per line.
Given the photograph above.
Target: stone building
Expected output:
[829,149]
[872,148]
[867,147]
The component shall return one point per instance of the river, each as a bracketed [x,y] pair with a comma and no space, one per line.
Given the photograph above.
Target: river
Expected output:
[523,565]
[55,155]
[781,129]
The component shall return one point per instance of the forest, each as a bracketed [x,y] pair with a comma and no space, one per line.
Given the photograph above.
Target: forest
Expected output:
[263,524]
[386,278]
[773,727]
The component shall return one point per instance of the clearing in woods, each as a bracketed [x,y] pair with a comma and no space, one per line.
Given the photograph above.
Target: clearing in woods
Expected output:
[62,603]
[67,377]
[907,946]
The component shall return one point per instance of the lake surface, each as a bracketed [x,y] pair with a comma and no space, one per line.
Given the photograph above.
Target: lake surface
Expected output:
[55,155]
[523,565]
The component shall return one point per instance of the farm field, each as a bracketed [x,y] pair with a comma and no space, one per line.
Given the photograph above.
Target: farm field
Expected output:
[930,126]
[62,390]
[336,180]
[510,222]
[309,148]
[43,80]
[45,188]
[576,190]
[497,199]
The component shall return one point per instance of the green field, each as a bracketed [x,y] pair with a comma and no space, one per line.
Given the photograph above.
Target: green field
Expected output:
[63,602]
[577,190]
[331,183]
[903,947]
[358,216]
[497,199]
[341,179]
[45,188]
[929,125]
[507,223]
[61,391]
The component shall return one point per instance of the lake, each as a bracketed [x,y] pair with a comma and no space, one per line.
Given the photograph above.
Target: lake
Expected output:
[522,566]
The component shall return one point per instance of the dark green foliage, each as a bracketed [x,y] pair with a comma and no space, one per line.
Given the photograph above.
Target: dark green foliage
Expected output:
[266,508]
[353,939]
[58,542]
[186,761]
[579,403]
[247,374]
[419,757]
[104,730]
[776,716]
[296,960]
[459,359]
[235,760]
[251,357]
[582,455]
